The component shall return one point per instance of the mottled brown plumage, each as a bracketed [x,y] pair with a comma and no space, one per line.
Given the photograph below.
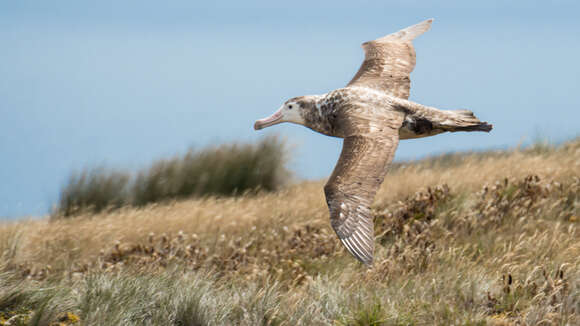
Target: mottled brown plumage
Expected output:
[351,188]
[371,113]
[389,61]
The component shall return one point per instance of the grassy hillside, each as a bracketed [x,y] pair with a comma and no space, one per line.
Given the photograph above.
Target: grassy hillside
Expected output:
[472,239]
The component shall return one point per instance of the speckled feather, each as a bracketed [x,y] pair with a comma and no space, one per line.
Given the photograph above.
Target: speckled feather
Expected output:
[352,186]
[389,61]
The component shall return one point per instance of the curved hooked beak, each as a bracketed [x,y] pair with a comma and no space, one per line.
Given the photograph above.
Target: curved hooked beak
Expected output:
[269,121]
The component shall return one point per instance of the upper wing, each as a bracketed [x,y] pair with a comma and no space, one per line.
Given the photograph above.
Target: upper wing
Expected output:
[389,61]
[352,187]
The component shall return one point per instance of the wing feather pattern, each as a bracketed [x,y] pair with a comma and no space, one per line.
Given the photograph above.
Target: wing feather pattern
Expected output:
[389,61]
[351,188]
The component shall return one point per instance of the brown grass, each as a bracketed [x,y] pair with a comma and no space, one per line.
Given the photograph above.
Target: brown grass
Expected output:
[483,239]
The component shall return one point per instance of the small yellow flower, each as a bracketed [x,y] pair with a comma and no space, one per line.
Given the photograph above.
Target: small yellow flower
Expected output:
[72,318]
[67,318]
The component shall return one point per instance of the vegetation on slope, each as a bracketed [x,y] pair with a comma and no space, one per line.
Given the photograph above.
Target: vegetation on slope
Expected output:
[491,241]
[224,170]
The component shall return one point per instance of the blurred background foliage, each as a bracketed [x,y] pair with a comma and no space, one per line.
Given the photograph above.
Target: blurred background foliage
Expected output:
[225,170]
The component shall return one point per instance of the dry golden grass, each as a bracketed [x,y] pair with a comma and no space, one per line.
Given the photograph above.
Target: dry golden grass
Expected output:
[83,237]
[486,244]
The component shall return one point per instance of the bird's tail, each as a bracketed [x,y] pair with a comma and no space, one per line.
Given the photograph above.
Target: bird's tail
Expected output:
[463,120]
[424,121]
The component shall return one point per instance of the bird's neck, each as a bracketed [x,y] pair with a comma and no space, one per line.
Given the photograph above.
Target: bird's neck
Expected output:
[317,115]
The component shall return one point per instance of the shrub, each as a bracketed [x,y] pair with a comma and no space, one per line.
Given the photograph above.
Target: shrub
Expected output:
[224,170]
[93,190]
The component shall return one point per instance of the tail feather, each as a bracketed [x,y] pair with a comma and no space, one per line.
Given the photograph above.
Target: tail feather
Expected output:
[484,126]
[424,121]
[465,113]
[464,120]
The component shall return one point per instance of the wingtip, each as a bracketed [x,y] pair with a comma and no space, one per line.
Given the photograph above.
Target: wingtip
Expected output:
[427,22]
[408,33]
[367,261]
[357,252]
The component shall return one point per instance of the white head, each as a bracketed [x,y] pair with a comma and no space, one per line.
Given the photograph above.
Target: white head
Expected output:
[291,111]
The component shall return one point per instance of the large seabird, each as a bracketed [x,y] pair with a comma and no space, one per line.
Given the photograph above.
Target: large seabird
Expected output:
[371,114]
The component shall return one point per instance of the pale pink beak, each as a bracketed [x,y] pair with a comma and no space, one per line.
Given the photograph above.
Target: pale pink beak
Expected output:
[271,120]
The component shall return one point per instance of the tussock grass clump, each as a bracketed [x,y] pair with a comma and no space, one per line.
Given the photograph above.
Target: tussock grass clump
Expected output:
[222,170]
[133,299]
[93,191]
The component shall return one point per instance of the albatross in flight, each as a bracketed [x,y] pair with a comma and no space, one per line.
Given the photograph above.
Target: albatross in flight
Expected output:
[371,114]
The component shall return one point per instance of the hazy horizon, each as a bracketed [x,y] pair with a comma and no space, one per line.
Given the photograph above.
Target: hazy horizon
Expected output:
[123,84]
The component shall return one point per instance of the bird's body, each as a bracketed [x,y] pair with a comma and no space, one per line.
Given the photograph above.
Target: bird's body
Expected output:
[371,114]
[355,110]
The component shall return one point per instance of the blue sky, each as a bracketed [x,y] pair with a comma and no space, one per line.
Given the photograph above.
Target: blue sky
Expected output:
[123,83]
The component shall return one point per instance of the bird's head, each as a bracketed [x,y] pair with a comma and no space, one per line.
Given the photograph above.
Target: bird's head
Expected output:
[296,110]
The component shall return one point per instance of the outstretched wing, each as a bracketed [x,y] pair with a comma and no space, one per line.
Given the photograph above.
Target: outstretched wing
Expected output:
[352,186]
[389,61]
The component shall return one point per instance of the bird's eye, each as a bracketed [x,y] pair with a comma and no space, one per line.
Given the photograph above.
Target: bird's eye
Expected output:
[290,106]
